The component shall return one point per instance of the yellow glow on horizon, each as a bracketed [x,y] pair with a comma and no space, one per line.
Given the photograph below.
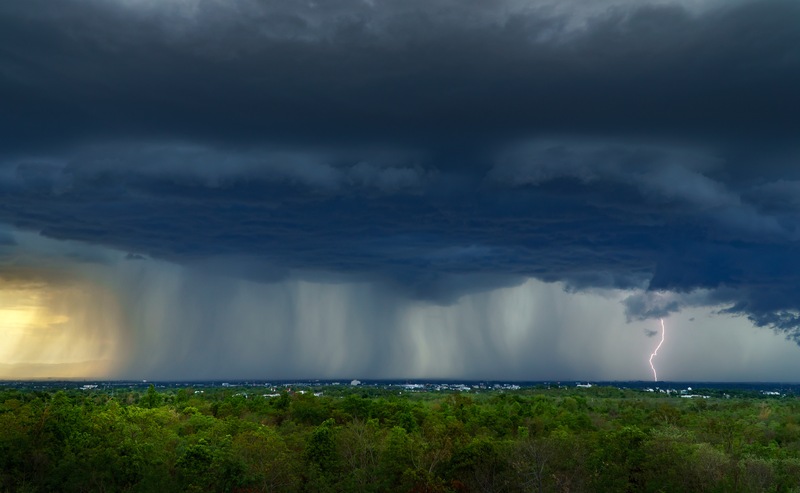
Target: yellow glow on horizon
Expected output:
[57,331]
[15,319]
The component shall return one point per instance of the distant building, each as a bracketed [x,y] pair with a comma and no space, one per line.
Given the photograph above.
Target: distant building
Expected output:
[355,382]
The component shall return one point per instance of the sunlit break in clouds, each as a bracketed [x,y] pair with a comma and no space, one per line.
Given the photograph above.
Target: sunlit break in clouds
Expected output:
[51,331]
[420,189]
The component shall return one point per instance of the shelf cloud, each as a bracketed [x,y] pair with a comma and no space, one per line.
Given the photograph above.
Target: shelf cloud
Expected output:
[361,160]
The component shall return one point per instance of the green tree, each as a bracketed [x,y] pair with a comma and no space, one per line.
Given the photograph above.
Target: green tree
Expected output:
[268,462]
[360,449]
[152,398]
[321,457]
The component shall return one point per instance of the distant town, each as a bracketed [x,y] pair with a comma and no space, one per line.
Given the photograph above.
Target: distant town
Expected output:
[267,389]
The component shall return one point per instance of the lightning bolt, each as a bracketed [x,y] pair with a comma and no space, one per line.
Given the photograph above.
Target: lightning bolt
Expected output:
[663,333]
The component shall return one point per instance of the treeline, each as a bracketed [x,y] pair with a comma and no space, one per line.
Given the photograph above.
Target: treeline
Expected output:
[380,440]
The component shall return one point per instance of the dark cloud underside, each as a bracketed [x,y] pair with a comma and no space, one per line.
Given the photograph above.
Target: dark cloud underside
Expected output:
[636,146]
[412,73]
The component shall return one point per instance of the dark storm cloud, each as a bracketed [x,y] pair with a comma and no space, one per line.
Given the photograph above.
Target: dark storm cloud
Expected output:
[442,147]
[443,75]
[633,222]
[6,240]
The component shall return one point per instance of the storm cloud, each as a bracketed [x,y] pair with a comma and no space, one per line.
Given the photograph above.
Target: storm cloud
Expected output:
[440,76]
[434,151]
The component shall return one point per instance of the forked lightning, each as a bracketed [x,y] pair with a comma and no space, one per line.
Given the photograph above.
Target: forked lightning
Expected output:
[663,333]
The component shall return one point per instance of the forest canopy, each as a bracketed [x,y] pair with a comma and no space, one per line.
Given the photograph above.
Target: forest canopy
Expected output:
[245,439]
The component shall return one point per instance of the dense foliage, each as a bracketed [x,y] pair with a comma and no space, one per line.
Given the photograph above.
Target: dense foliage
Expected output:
[380,439]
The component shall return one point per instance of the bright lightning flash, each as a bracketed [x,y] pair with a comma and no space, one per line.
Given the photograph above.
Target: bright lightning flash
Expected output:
[663,333]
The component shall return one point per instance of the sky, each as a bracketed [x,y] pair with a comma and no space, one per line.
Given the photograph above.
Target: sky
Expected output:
[515,189]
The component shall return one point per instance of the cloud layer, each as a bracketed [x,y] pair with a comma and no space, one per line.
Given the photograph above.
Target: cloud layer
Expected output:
[437,75]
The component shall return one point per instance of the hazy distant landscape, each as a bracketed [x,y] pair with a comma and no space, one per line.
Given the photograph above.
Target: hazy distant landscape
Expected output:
[782,389]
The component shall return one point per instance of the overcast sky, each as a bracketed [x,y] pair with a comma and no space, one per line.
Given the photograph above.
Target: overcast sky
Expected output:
[515,189]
